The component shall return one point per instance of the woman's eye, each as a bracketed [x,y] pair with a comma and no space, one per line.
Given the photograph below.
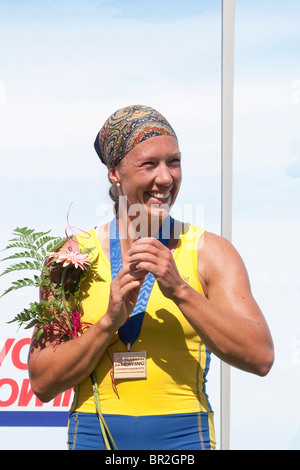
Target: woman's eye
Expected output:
[175,161]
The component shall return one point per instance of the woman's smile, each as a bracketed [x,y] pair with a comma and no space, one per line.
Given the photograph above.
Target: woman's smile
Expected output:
[157,197]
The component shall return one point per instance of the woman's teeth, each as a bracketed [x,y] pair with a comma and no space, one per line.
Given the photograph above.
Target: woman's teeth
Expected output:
[159,195]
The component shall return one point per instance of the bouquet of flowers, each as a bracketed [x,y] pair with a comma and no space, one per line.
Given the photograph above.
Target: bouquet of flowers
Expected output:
[60,274]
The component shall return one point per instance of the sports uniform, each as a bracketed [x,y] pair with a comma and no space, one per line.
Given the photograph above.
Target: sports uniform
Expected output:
[170,408]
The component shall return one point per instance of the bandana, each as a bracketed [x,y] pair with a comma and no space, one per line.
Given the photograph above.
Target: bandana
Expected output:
[125,129]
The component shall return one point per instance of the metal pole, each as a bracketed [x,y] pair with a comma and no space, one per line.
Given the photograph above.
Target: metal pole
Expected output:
[228,21]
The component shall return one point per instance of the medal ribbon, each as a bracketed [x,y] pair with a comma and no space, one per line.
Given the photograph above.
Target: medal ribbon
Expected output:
[129,332]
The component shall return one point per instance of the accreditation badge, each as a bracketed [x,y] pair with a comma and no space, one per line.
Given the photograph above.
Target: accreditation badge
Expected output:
[130,365]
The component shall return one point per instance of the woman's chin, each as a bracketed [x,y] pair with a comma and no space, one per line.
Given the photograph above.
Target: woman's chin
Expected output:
[160,211]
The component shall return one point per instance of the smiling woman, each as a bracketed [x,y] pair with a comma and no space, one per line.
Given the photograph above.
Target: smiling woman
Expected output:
[149,178]
[120,135]
[167,295]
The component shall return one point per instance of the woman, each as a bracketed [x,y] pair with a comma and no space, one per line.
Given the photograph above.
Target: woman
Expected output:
[186,292]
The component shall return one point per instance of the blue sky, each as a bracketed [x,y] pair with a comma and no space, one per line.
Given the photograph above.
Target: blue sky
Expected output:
[68,64]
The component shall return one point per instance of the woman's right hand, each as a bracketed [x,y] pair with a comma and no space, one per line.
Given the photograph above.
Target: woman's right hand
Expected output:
[124,292]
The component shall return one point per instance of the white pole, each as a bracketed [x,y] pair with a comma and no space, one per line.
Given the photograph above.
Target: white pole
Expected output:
[228,21]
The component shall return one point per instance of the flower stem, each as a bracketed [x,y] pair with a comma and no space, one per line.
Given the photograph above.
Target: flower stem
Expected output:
[63,290]
[104,428]
[64,300]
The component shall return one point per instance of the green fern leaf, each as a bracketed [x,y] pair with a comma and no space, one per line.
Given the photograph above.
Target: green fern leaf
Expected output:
[22,254]
[25,265]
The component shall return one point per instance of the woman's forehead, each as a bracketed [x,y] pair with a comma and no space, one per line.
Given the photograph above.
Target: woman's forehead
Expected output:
[156,147]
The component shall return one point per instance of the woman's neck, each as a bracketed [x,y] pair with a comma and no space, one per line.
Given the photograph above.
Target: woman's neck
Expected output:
[140,226]
[130,229]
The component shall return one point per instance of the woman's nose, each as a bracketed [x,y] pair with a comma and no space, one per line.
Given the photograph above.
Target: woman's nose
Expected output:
[163,176]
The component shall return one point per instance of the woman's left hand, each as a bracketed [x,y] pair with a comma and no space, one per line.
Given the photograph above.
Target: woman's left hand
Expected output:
[151,255]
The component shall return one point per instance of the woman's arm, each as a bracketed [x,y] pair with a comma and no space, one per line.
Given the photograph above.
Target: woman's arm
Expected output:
[230,322]
[228,319]
[53,370]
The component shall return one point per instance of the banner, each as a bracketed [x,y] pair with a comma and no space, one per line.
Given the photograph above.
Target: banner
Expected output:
[18,405]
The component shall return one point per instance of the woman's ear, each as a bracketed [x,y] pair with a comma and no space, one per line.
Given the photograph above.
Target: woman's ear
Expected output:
[113,176]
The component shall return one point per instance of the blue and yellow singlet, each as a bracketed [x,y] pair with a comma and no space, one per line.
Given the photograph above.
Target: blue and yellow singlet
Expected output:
[170,408]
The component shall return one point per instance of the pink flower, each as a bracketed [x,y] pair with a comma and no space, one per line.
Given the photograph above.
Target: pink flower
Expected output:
[73,257]
[77,327]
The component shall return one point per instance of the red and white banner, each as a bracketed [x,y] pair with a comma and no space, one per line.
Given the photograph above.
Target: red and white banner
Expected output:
[18,405]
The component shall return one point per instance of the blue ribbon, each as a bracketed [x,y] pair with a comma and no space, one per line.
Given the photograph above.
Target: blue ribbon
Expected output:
[129,332]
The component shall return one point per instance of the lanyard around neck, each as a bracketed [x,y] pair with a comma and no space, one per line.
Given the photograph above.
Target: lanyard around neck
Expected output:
[130,331]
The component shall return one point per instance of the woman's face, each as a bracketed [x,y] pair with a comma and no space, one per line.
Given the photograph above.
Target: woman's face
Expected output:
[150,175]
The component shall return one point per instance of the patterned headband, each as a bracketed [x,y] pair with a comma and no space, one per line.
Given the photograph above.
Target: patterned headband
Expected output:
[126,128]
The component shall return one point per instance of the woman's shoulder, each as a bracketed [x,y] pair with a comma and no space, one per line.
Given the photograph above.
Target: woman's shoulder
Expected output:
[217,256]
[214,244]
